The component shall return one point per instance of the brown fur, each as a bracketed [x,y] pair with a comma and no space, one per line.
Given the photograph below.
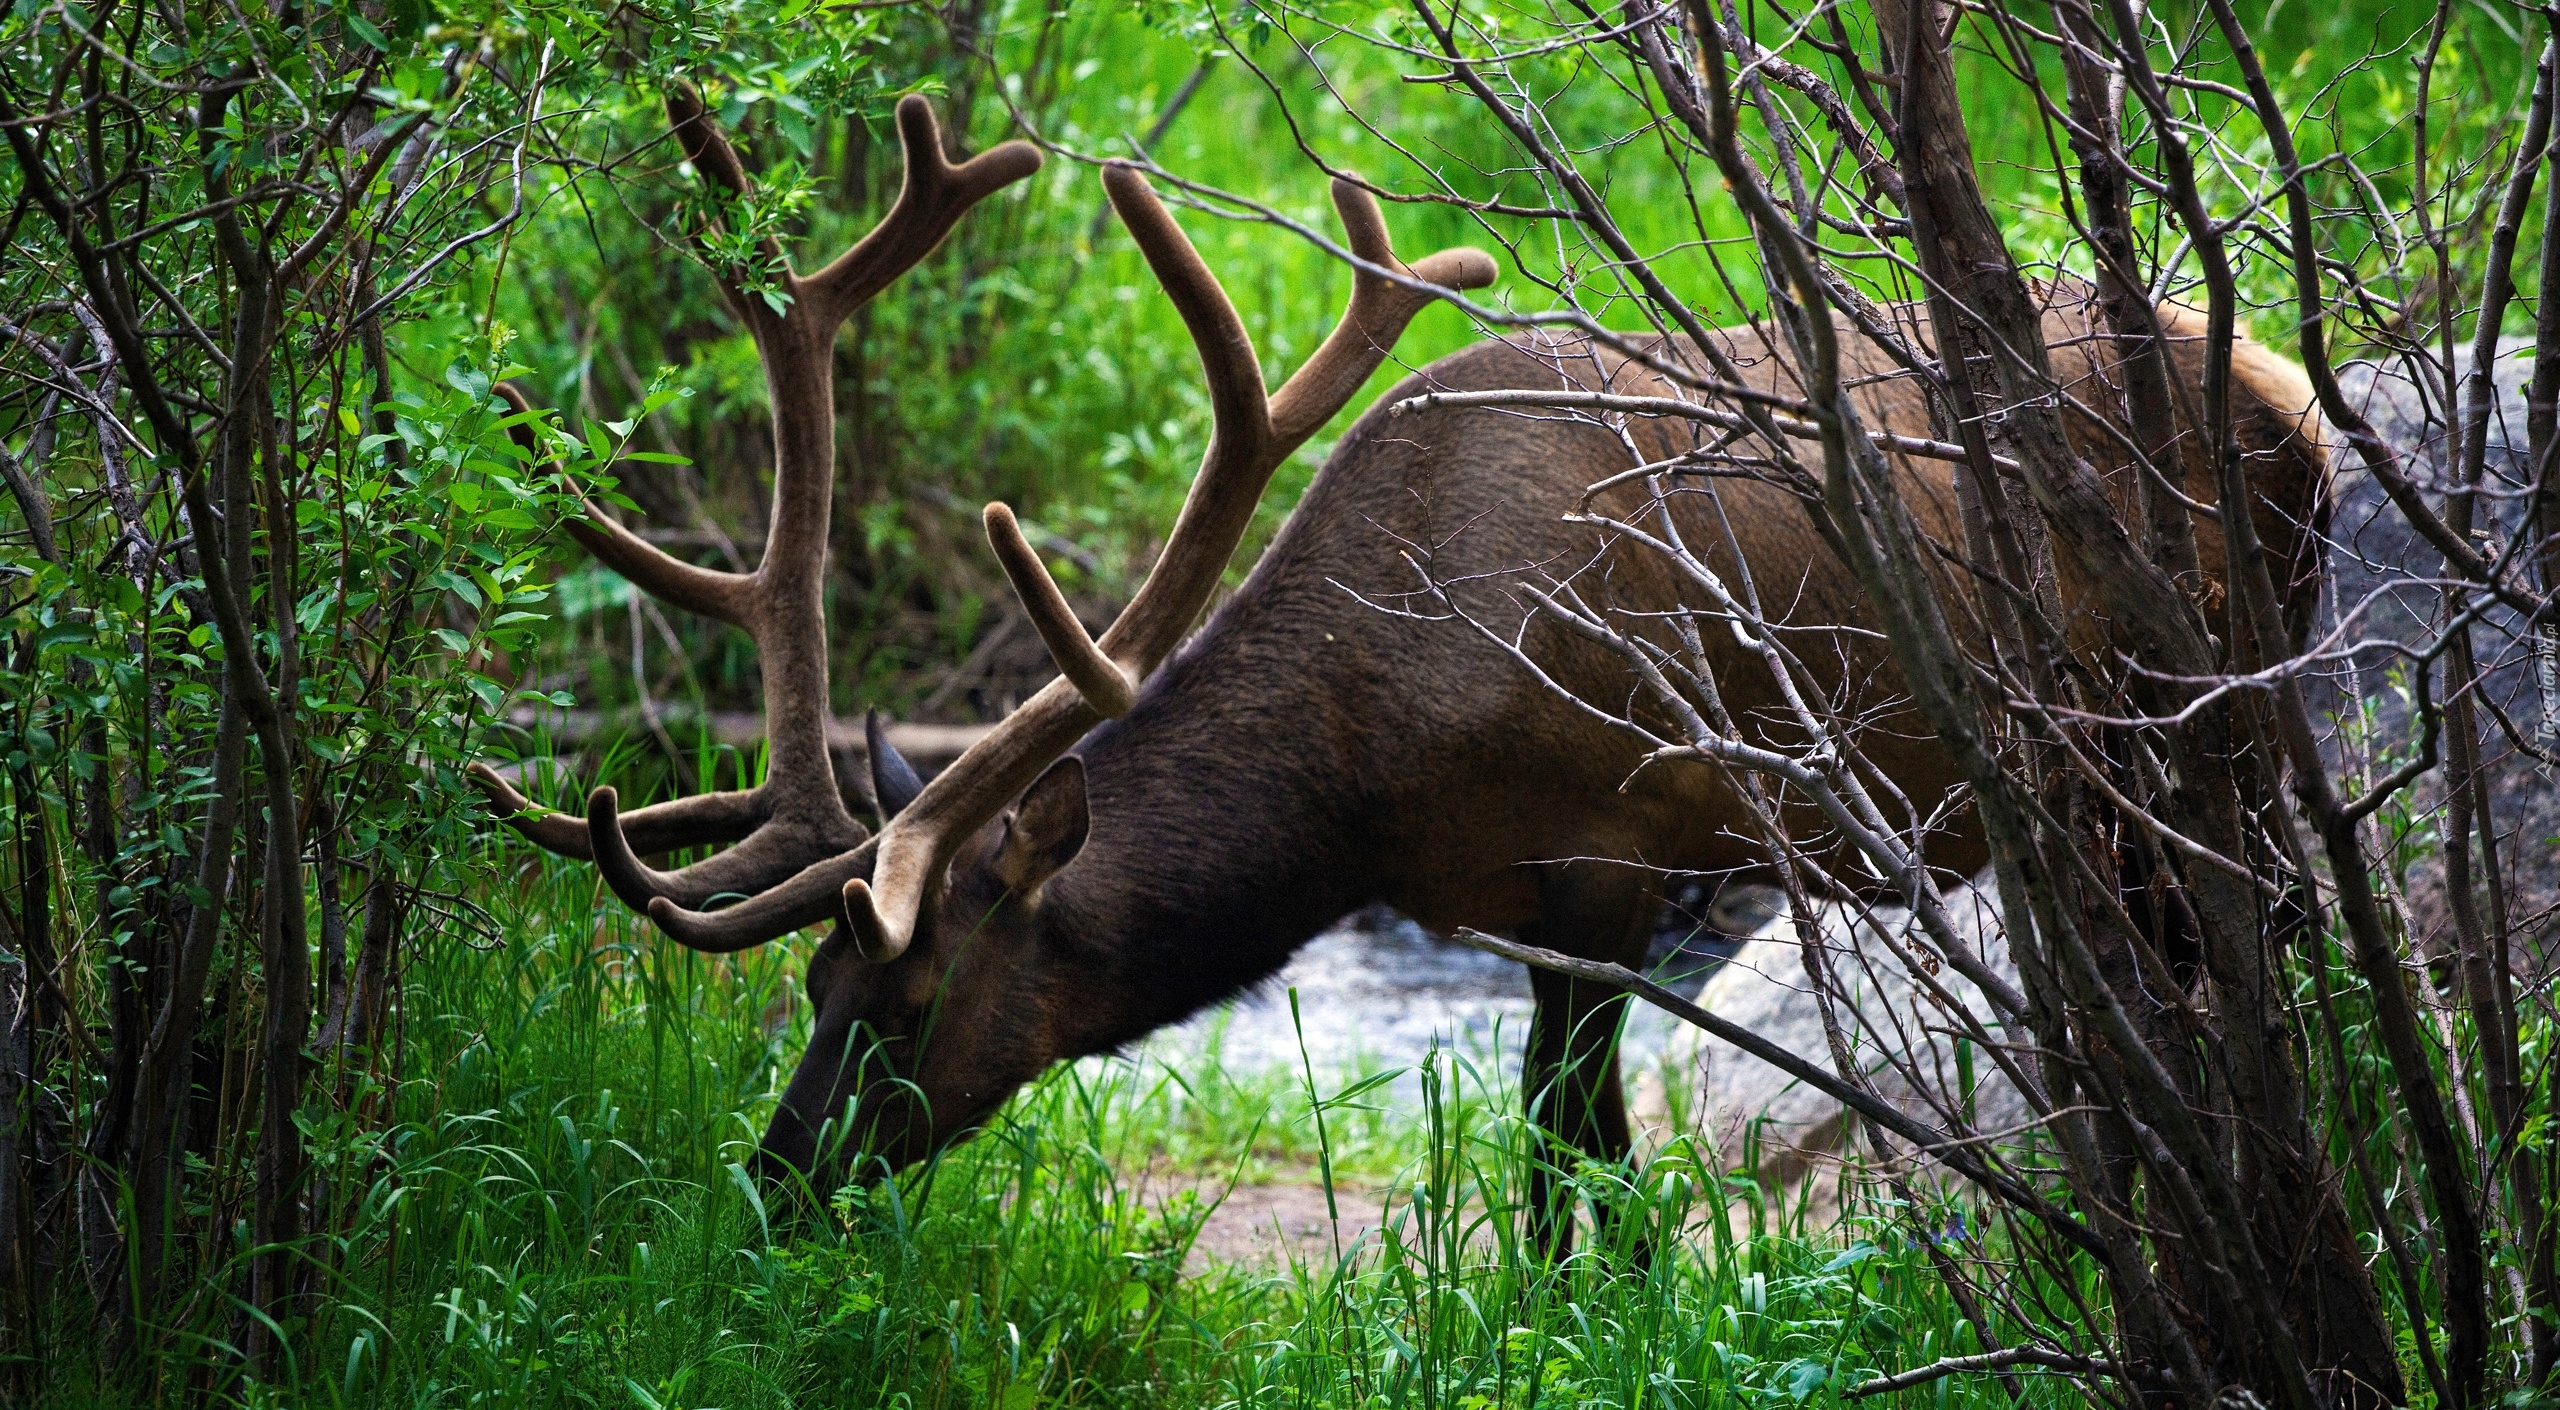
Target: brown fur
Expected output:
[1308,753]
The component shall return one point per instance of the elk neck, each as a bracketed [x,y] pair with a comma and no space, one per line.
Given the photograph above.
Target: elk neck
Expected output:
[1226,832]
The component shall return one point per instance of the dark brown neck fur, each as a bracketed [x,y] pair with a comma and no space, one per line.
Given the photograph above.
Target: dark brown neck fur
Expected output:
[1225,835]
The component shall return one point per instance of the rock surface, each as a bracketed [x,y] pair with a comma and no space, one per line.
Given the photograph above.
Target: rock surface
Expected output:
[2376,562]
[1757,1117]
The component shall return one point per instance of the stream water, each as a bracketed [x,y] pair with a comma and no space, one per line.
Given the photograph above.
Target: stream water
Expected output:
[1379,991]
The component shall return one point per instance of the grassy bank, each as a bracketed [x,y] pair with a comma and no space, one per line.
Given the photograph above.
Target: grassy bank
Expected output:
[557,1216]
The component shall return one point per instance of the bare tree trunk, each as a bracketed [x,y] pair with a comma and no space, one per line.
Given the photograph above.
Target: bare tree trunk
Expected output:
[168,1075]
[276,1219]
[17,1072]
[377,961]
[2325,1315]
[224,317]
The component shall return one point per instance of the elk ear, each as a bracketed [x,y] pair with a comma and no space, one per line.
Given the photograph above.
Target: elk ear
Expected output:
[1046,829]
[893,780]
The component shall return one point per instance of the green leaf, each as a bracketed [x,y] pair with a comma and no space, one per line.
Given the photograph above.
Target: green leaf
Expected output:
[1850,1257]
[1363,1087]
[456,584]
[755,1199]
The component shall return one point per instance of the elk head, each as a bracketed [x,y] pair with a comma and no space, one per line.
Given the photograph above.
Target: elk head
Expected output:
[935,995]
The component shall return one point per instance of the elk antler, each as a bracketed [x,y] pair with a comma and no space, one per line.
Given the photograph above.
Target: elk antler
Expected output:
[796,819]
[1251,435]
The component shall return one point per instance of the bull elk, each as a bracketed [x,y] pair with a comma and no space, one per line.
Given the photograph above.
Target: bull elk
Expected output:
[1158,830]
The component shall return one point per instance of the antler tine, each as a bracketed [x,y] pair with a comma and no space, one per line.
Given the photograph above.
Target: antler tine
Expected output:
[561,834]
[661,827]
[1379,311]
[1233,474]
[669,579]
[1103,683]
[809,896]
[917,845]
[708,149]
[704,144]
[1241,455]
[1245,446]
[686,822]
[772,853]
[1239,413]
[932,198]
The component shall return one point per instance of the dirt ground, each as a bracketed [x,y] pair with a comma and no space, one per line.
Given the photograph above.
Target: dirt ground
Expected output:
[1273,1223]
[1271,1226]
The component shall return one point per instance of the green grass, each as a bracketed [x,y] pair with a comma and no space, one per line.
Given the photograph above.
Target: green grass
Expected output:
[557,1216]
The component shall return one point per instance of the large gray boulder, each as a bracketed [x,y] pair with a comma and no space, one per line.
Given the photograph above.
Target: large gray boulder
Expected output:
[2377,567]
[1898,1031]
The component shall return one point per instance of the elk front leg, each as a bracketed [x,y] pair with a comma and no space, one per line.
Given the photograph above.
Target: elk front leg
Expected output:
[1569,1077]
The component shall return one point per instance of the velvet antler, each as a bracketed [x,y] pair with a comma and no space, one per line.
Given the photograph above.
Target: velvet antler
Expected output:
[796,819]
[1251,435]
